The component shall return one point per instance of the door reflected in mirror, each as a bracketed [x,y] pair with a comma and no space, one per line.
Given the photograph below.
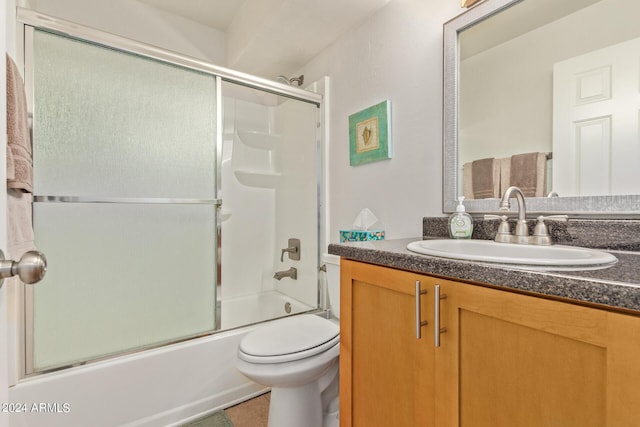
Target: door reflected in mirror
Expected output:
[546,98]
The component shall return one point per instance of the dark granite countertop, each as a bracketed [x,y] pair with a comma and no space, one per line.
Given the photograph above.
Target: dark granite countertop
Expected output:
[616,287]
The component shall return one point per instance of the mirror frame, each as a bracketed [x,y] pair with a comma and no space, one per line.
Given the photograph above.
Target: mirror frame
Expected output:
[623,206]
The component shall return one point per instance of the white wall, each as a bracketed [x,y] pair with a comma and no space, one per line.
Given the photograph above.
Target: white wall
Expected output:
[140,22]
[394,55]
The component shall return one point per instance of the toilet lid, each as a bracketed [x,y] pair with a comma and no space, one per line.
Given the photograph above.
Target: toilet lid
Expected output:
[291,338]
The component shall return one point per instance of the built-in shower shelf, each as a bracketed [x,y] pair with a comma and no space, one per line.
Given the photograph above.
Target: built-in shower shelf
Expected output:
[259,140]
[261,179]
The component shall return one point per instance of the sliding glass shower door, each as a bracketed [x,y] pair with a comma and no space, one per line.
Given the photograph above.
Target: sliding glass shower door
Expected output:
[124,202]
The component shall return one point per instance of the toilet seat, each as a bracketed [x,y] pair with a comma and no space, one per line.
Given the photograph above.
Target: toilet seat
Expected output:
[289,339]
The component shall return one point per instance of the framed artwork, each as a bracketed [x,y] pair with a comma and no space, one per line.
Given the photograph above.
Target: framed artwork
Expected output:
[370,134]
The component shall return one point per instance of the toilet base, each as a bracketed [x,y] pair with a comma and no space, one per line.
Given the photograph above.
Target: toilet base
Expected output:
[309,414]
[331,417]
[307,410]
[311,405]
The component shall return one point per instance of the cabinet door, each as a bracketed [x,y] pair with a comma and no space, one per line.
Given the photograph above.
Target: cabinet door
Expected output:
[386,376]
[512,360]
[623,371]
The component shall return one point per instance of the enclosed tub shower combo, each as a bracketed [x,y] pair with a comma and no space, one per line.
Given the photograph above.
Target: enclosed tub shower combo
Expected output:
[177,203]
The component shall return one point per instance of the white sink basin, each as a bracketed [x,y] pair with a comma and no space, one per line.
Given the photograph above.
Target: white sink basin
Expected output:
[509,253]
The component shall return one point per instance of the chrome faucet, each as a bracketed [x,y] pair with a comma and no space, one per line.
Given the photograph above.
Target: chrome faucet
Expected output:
[293,250]
[521,235]
[292,272]
[522,230]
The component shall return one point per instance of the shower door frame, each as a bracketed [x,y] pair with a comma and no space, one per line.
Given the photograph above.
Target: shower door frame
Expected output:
[28,22]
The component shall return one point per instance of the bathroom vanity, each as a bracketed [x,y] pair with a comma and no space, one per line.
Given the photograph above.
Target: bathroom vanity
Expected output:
[446,342]
[516,347]
[431,341]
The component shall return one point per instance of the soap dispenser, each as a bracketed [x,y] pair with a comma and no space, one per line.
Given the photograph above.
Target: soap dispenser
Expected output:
[460,223]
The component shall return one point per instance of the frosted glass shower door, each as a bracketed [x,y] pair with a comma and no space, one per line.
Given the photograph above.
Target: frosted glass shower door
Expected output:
[125,202]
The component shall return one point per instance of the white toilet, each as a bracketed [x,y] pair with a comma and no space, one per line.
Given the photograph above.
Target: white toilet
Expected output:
[297,357]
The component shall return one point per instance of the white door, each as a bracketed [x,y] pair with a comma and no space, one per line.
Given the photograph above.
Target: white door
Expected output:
[596,117]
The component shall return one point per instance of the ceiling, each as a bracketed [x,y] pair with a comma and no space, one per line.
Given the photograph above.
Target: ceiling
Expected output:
[212,13]
[514,21]
[268,38]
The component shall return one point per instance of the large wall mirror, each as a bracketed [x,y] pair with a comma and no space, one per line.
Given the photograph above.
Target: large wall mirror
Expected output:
[545,95]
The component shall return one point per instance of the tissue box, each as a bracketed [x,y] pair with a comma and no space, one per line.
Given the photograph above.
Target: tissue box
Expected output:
[360,235]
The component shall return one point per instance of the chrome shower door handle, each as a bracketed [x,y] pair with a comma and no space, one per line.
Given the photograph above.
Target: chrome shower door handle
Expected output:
[31,268]
[419,322]
[437,329]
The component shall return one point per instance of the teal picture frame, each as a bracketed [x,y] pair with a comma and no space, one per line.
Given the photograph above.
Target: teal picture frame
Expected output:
[370,134]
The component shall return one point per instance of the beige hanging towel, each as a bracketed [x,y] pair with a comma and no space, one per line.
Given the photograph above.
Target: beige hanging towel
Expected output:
[19,154]
[486,178]
[467,181]
[528,173]
[20,237]
[19,167]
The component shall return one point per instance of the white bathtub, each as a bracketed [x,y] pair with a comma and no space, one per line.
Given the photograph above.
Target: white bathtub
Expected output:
[161,387]
[166,386]
[259,307]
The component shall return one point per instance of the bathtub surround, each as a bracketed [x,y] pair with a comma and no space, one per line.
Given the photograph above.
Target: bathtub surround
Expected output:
[269,149]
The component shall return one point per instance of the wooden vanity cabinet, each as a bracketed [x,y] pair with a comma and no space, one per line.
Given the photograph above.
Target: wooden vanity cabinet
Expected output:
[386,373]
[504,359]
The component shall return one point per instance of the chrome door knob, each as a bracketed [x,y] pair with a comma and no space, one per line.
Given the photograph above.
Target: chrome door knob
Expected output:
[31,268]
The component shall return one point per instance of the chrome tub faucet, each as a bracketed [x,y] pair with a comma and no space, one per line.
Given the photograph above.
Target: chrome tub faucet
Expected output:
[292,272]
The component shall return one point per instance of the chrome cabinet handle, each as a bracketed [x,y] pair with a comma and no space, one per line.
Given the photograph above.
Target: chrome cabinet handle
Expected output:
[31,268]
[419,323]
[436,315]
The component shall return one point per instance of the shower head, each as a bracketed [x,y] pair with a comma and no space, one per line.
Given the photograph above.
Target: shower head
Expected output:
[299,80]
[283,79]
[289,81]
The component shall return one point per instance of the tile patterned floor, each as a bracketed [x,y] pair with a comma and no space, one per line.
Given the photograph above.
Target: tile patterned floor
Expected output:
[252,413]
